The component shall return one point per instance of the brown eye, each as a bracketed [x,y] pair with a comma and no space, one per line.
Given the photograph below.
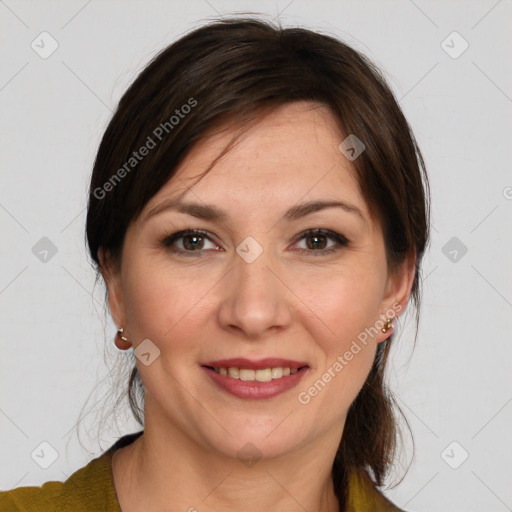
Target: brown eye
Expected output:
[189,241]
[316,242]
[193,242]
[321,241]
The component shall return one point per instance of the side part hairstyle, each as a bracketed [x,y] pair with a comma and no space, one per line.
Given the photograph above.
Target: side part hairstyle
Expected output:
[239,70]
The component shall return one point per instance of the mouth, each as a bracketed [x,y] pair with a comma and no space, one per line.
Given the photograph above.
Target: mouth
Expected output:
[259,375]
[247,379]
[262,370]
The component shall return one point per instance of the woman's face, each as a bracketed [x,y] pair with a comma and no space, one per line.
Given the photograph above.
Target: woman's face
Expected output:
[254,284]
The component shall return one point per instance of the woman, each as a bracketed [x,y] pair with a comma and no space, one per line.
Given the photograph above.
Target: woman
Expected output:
[258,210]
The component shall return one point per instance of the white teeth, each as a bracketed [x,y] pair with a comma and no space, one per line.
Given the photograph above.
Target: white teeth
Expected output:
[247,374]
[234,373]
[264,375]
[261,375]
[277,373]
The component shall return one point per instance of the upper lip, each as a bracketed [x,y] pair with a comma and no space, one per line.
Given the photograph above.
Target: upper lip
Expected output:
[268,362]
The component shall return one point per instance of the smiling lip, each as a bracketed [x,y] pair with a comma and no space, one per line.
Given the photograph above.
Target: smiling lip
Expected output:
[269,362]
[253,390]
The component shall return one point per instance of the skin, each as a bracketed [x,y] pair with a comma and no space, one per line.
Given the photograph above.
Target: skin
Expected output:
[211,304]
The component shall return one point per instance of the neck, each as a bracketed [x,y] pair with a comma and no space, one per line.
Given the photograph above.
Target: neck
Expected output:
[166,466]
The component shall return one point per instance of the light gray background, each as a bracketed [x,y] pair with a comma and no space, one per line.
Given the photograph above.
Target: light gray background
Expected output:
[455,386]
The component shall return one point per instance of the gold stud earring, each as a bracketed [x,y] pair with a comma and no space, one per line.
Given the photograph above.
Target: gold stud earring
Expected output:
[387,325]
[120,332]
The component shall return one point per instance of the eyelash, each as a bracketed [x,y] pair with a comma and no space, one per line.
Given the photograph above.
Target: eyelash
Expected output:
[341,241]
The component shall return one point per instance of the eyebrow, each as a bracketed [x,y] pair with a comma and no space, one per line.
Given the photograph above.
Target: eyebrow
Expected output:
[212,213]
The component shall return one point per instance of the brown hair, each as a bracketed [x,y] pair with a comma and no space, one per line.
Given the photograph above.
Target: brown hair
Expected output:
[244,67]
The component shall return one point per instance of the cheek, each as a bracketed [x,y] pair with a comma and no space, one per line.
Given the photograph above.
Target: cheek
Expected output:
[346,307]
[346,302]
[160,300]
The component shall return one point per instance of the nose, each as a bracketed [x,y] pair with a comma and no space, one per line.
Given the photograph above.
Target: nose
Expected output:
[256,301]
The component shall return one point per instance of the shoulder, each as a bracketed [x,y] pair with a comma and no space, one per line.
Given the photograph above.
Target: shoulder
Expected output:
[364,496]
[89,489]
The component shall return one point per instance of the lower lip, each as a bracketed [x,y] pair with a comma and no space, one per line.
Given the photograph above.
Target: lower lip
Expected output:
[253,390]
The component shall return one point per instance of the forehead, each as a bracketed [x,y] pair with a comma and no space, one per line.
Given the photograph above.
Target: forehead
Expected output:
[288,155]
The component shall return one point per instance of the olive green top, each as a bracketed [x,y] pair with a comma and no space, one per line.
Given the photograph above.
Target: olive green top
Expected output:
[91,489]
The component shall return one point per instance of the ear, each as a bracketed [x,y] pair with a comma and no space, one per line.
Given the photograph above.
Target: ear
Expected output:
[112,276]
[397,293]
